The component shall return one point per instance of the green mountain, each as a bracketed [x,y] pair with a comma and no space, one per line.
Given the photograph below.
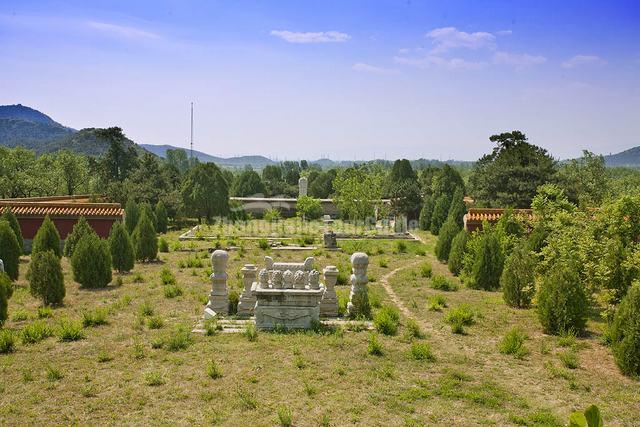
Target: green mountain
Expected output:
[256,162]
[627,158]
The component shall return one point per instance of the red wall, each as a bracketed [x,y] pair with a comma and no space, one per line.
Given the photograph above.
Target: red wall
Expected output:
[30,226]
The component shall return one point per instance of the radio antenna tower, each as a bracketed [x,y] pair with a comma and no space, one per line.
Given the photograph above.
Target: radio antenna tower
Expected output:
[192,132]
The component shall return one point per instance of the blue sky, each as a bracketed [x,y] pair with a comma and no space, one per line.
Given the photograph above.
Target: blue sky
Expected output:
[342,79]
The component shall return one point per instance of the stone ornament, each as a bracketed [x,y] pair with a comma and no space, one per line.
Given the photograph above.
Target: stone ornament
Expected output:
[276,279]
[263,279]
[218,298]
[299,280]
[314,279]
[359,296]
[329,303]
[247,300]
[287,278]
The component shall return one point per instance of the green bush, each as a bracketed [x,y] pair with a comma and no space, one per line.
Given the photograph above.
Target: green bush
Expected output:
[308,208]
[91,262]
[625,332]
[424,221]
[92,318]
[45,312]
[162,219]
[487,263]
[437,303]
[15,226]
[131,215]
[7,341]
[70,330]
[569,359]
[6,290]
[178,339]
[441,283]
[145,240]
[47,238]
[172,291]
[447,233]
[562,302]
[460,317]
[513,343]
[146,209]
[457,209]
[35,332]
[426,270]
[456,254]
[213,370]
[518,276]
[251,333]
[263,244]
[167,277]
[163,245]
[80,229]
[400,247]
[9,250]
[46,280]
[386,320]
[155,322]
[272,215]
[421,351]
[413,329]
[374,347]
[121,247]
[440,213]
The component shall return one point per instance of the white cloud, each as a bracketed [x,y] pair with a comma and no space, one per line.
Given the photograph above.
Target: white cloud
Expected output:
[579,60]
[504,33]
[311,37]
[123,31]
[368,68]
[437,61]
[518,59]
[448,38]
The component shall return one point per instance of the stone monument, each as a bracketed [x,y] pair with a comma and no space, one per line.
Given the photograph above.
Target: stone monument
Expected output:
[329,303]
[359,297]
[302,186]
[247,298]
[218,298]
[1,265]
[330,241]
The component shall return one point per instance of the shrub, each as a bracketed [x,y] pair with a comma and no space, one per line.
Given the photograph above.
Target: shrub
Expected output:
[47,238]
[91,262]
[374,347]
[211,327]
[15,226]
[460,317]
[426,270]
[213,370]
[437,303]
[562,303]
[154,379]
[6,290]
[97,317]
[383,263]
[69,330]
[167,277]
[163,245]
[146,209]
[146,309]
[234,299]
[155,322]
[308,208]
[487,263]
[285,416]
[121,247]
[162,219]
[178,339]
[569,359]
[625,332]
[400,247]
[54,374]
[513,343]
[447,233]
[145,240]
[172,291]
[9,250]
[421,351]
[457,208]
[272,214]
[45,312]
[7,341]
[263,244]
[441,283]
[46,280]
[456,254]
[517,280]
[251,332]
[386,320]
[35,332]
[80,229]
[413,329]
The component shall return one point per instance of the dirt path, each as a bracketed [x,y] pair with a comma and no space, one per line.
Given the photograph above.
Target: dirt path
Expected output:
[387,287]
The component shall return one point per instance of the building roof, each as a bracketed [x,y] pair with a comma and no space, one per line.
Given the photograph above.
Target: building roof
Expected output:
[22,208]
[494,214]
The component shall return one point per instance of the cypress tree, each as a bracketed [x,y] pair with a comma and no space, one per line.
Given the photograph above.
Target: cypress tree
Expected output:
[457,208]
[122,253]
[625,332]
[562,302]
[80,229]
[91,262]
[517,280]
[15,226]
[161,217]
[6,290]
[46,280]
[440,212]
[9,250]
[145,240]
[448,232]
[131,215]
[425,213]
[456,255]
[146,208]
[488,263]
[47,238]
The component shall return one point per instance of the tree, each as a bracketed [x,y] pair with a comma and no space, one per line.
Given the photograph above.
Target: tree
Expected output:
[131,215]
[119,161]
[9,250]
[440,212]
[147,182]
[6,290]
[446,181]
[15,226]
[357,191]
[562,302]
[161,217]
[121,245]
[91,262]
[426,213]
[178,159]
[585,179]
[308,208]
[248,183]
[145,240]
[518,278]
[457,209]
[290,172]
[80,229]
[47,238]
[145,208]
[487,263]
[73,170]
[205,191]
[625,333]
[46,280]
[448,232]
[458,249]
[322,186]
[510,175]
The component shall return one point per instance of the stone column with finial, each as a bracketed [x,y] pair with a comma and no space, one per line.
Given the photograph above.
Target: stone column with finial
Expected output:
[247,298]
[218,298]
[358,305]
[329,303]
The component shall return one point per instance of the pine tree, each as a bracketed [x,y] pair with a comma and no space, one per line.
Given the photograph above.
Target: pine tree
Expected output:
[91,262]
[131,215]
[458,249]
[447,233]
[625,332]
[161,217]
[440,212]
[47,238]
[425,213]
[518,278]
[9,250]
[457,209]
[145,240]
[46,280]
[80,229]
[488,263]
[122,253]
[15,226]
[562,302]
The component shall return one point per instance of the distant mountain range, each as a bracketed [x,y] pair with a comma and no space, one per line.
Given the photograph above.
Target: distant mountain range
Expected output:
[24,126]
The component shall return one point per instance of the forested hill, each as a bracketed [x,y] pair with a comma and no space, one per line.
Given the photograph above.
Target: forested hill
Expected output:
[256,162]
[628,158]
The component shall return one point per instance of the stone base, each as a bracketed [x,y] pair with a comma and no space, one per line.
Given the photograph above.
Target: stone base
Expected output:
[288,308]
[329,308]
[246,306]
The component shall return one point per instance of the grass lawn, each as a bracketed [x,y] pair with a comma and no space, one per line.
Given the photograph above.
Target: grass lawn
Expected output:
[145,367]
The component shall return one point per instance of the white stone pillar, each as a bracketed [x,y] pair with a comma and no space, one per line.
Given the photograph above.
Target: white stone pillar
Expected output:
[218,298]
[329,303]
[247,298]
[359,297]
[303,184]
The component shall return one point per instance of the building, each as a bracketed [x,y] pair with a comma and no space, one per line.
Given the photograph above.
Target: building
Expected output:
[64,211]
[474,217]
